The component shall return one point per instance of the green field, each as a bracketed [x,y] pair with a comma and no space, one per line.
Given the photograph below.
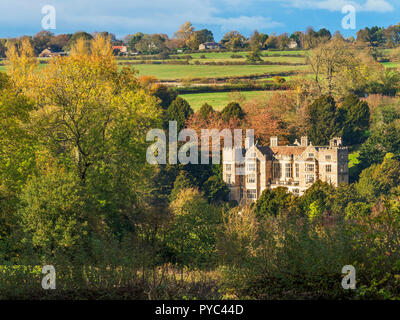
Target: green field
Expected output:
[244,58]
[175,72]
[390,64]
[219,100]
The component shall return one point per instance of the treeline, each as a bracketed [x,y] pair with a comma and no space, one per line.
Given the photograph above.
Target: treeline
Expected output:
[186,38]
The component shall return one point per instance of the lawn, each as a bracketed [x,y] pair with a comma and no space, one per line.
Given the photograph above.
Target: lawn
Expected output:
[390,64]
[175,72]
[219,100]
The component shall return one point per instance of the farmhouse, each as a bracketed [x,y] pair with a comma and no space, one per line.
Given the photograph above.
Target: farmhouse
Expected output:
[120,49]
[46,53]
[295,167]
[293,45]
[210,46]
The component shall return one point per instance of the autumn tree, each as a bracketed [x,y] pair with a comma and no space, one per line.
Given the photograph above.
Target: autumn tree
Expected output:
[185,33]
[60,42]
[42,40]
[257,40]
[263,122]
[199,37]
[233,40]
[79,35]
[93,118]
[22,64]
[339,68]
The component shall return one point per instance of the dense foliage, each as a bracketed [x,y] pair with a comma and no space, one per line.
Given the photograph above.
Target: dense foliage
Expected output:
[76,191]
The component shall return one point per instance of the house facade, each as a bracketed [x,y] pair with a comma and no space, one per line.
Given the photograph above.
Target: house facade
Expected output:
[210,46]
[47,53]
[120,49]
[293,45]
[296,167]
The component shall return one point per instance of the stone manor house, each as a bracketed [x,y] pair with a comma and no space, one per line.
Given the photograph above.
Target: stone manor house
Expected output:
[295,167]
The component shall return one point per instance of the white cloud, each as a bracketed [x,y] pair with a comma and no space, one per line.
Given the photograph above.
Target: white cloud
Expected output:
[128,16]
[337,5]
[246,23]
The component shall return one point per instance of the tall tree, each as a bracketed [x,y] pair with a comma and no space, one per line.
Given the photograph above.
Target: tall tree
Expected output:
[179,111]
[322,120]
[185,32]
[355,120]
[42,40]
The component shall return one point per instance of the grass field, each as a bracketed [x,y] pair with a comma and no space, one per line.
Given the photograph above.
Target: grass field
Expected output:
[244,58]
[390,64]
[174,72]
[219,100]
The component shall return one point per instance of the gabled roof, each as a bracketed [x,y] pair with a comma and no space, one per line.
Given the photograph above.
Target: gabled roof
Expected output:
[288,150]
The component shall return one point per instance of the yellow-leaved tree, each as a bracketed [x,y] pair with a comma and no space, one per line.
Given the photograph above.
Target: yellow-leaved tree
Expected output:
[93,118]
[339,68]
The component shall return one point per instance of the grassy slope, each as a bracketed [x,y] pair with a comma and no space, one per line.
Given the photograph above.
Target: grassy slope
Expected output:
[219,100]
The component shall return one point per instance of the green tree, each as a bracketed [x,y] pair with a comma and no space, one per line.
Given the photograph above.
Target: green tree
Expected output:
[355,120]
[133,39]
[383,139]
[322,124]
[216,189]
[254,57]
[179,111]
[273,202]
[231,111]
[316,198]
[206,110]
[379,179]
[183,181]
[166,95]
[193,233]
[52,214]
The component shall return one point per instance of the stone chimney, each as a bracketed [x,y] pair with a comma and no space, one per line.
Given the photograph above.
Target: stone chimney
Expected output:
[304,141]
[274,142]
[335,142]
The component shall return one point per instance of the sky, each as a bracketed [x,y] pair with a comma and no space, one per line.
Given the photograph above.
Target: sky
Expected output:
[122,17]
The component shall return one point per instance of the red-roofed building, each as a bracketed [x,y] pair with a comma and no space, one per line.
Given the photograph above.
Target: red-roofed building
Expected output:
[120,49]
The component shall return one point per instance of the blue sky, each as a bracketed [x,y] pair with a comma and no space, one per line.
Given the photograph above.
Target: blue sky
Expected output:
[19,17]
